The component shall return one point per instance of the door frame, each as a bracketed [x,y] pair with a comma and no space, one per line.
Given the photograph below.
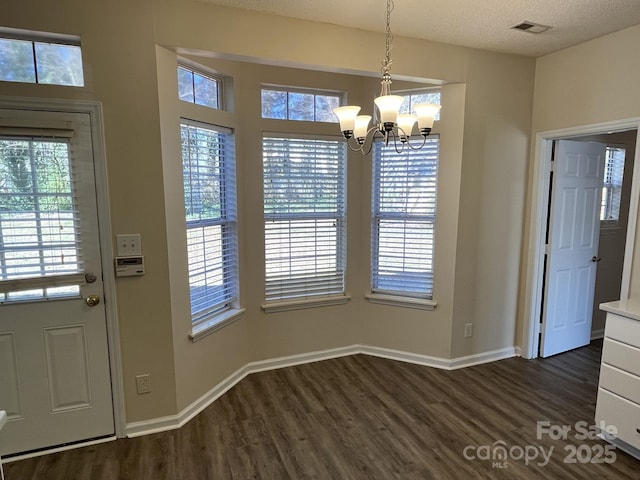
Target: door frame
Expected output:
[94,110]
[537,225]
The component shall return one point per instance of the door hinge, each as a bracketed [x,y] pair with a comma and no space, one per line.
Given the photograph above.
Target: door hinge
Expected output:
[547,249]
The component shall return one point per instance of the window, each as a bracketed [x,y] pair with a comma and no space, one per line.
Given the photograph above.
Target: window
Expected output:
[41,61]
[302,105]
[412,99]
[304,214]
[210,205]
[38,219]
[195,87]
[612,186]
[403,218]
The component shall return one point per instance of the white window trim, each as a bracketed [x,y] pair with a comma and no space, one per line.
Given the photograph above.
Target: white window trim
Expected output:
[612,226]
[46,37]
[399,301]
[274,307]
[399,298]
[215,323]
[196,68]
[309,91]
[320,300]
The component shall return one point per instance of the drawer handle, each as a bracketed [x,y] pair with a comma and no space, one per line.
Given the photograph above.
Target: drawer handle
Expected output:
[638,430]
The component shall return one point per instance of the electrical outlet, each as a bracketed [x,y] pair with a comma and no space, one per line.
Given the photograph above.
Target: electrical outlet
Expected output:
[468,330]
[143,383]
[128,245]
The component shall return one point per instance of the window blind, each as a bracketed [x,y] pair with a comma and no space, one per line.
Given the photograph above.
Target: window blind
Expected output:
[304,213]
[403,219]
[208,157]
[612,184]
[39,219]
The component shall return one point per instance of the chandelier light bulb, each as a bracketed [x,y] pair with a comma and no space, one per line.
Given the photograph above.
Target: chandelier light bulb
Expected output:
[347,118]
[405,125]
[426,115]
[361,127]
[388,106]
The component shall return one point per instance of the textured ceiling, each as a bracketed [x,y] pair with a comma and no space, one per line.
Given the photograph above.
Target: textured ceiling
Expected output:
[481,24]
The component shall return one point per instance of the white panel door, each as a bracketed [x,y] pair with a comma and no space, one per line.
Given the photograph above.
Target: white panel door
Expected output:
[54,364]
[574,231]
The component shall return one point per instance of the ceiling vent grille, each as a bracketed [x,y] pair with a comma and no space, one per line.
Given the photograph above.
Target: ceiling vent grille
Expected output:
[531,27]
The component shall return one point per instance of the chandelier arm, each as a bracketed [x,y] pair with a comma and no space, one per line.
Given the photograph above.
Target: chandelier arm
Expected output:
[367,151]
[395,143]
[413,147]
[357,147]
[390,128]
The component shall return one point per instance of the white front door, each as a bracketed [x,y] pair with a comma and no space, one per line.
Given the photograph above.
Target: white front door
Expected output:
[574,230]
[54,363]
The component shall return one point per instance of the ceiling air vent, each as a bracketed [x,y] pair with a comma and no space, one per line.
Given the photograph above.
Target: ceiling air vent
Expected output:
[531,27]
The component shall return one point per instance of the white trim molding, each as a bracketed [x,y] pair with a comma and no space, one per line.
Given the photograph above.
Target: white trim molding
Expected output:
[94,110]
[399,301]
[172,422]
[534,267]
[285,306]
[214,324]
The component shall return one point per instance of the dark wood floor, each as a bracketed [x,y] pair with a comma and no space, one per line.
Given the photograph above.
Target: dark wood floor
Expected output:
[363,417]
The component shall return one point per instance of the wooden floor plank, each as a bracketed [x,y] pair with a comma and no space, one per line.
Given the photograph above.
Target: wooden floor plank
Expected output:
[363,417]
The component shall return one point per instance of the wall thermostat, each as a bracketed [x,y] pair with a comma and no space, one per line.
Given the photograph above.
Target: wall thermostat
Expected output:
[129,266]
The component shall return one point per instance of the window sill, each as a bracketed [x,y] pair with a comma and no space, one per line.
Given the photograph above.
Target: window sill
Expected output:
[274,307]
[398,301]
[215,323]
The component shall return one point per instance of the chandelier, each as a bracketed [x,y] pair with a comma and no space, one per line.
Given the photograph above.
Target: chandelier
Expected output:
[389,123]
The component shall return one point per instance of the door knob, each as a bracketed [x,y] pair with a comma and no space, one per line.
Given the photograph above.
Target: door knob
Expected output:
[596,259]
[92,300]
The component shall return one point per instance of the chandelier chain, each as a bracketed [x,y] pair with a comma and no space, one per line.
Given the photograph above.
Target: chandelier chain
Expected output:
[386,64]
[390,125]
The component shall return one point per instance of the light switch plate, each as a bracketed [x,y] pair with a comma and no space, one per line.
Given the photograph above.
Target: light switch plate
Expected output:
[129,245]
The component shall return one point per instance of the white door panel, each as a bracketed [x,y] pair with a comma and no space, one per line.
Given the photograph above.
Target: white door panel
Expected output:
[54,360]
[574,231]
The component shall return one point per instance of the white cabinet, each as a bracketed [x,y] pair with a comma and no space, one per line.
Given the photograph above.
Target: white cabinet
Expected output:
[618,403]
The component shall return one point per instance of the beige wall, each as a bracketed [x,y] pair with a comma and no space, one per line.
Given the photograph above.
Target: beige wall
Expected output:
[588,84]
[497,125]
[129,52]
[119,57]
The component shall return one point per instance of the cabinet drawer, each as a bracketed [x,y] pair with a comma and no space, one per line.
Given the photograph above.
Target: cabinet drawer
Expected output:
[623,329]
[620,382]
[620,355]
[620,413]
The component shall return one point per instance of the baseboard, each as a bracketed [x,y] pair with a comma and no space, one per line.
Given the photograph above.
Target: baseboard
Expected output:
[292,360]
[480,358]
[162,424]
[597,334]
[417,358]
[438,362]
[172,422]
[518,351]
